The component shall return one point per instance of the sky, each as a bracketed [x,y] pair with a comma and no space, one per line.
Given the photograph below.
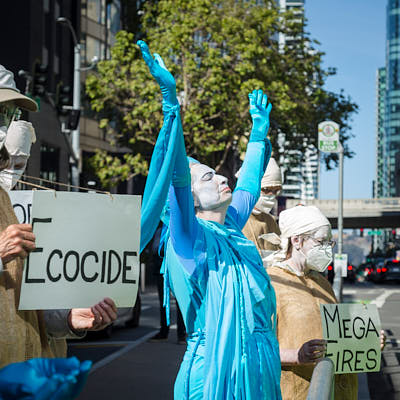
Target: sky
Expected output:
[352,34]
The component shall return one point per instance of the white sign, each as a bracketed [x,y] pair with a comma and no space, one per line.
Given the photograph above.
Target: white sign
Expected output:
[22,204]
[328,137]
[340,264]
[87,248]
[353,335]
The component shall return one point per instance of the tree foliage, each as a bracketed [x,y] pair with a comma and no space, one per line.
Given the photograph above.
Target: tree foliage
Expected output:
[218,53]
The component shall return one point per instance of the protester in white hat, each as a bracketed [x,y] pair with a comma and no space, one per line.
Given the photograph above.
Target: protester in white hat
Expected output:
[261,221]
[10,100]
[29,334]
[305,251]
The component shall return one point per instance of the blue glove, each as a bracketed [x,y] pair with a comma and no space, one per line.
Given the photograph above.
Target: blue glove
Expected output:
[44,379]
[160,73]
[259,111]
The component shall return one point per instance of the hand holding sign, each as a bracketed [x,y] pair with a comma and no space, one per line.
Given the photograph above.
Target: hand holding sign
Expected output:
[95,318]
[16,241]
[311,351]
[383,340]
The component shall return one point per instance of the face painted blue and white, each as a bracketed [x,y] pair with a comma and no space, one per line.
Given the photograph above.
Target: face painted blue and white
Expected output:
[210,190]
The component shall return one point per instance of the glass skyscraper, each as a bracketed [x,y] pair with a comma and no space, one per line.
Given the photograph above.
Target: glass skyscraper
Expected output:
[380,180]
[390,165]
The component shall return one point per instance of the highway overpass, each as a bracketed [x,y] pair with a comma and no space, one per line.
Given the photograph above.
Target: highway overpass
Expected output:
[359,213]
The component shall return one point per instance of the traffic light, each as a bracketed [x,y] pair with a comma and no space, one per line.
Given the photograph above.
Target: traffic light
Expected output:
[63,98]
[39,79]
[361,232]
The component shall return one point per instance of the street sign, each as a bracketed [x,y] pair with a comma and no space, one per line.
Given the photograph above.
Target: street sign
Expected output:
[328,137]
[340,264]
[375,232]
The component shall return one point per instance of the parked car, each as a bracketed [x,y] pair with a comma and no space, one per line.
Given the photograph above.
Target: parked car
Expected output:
[390,270]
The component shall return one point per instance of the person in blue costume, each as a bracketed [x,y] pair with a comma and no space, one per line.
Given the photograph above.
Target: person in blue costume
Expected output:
[44,379]
[215,273]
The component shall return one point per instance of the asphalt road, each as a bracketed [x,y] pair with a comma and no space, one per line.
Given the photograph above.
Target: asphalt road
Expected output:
[128,366]
[384,385]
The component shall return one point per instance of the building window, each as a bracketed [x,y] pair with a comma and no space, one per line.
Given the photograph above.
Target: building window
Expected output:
[93,48]
[49,162]
[95,11]
[114,17]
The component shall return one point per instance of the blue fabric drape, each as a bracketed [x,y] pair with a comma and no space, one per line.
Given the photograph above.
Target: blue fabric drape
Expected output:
[160,174]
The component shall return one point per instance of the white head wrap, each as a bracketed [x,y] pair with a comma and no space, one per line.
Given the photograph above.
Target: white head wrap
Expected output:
[272,176]
[20,136]
[293,222]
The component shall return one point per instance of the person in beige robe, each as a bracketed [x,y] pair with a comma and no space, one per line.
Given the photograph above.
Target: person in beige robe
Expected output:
[261,222]
[29,334]
[300,288]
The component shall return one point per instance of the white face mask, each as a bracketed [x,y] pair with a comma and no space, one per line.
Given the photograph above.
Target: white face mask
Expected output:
[20,136]
[264,204]
[319,257]
[10,176]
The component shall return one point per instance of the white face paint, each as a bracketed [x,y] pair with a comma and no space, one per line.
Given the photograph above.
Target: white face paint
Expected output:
[210,191]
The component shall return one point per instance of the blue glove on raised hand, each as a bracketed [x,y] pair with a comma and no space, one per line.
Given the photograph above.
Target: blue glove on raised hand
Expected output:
[160,73]
[259,111]
[44,379]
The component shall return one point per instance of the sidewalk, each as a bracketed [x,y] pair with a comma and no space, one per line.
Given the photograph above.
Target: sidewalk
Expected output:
[146,371]
[140,370]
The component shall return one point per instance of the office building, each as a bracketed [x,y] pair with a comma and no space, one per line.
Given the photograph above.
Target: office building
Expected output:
[390,147]
[36,41]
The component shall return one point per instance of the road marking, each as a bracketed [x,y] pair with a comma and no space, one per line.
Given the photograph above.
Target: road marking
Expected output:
[144,308]
[110,343]
[381,299]
[349,291]
[124,350]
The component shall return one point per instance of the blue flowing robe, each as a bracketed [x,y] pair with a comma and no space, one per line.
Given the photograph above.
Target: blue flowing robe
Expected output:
[223,291]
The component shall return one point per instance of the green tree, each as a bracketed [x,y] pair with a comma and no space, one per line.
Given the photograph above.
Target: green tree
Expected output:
[218,53]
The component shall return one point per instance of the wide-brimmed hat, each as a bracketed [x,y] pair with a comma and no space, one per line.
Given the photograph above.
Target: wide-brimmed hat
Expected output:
[8,91]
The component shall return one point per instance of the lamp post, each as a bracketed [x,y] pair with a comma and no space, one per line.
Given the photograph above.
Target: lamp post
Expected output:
[76,103]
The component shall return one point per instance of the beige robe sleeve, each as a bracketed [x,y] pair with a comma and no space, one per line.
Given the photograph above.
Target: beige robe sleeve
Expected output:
[22,333]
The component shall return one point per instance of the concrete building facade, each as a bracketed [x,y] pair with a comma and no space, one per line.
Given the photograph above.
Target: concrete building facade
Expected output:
[36,39]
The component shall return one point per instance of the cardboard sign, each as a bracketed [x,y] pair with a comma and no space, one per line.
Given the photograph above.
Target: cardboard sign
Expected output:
[22,204]
[87,249]
[352,332]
